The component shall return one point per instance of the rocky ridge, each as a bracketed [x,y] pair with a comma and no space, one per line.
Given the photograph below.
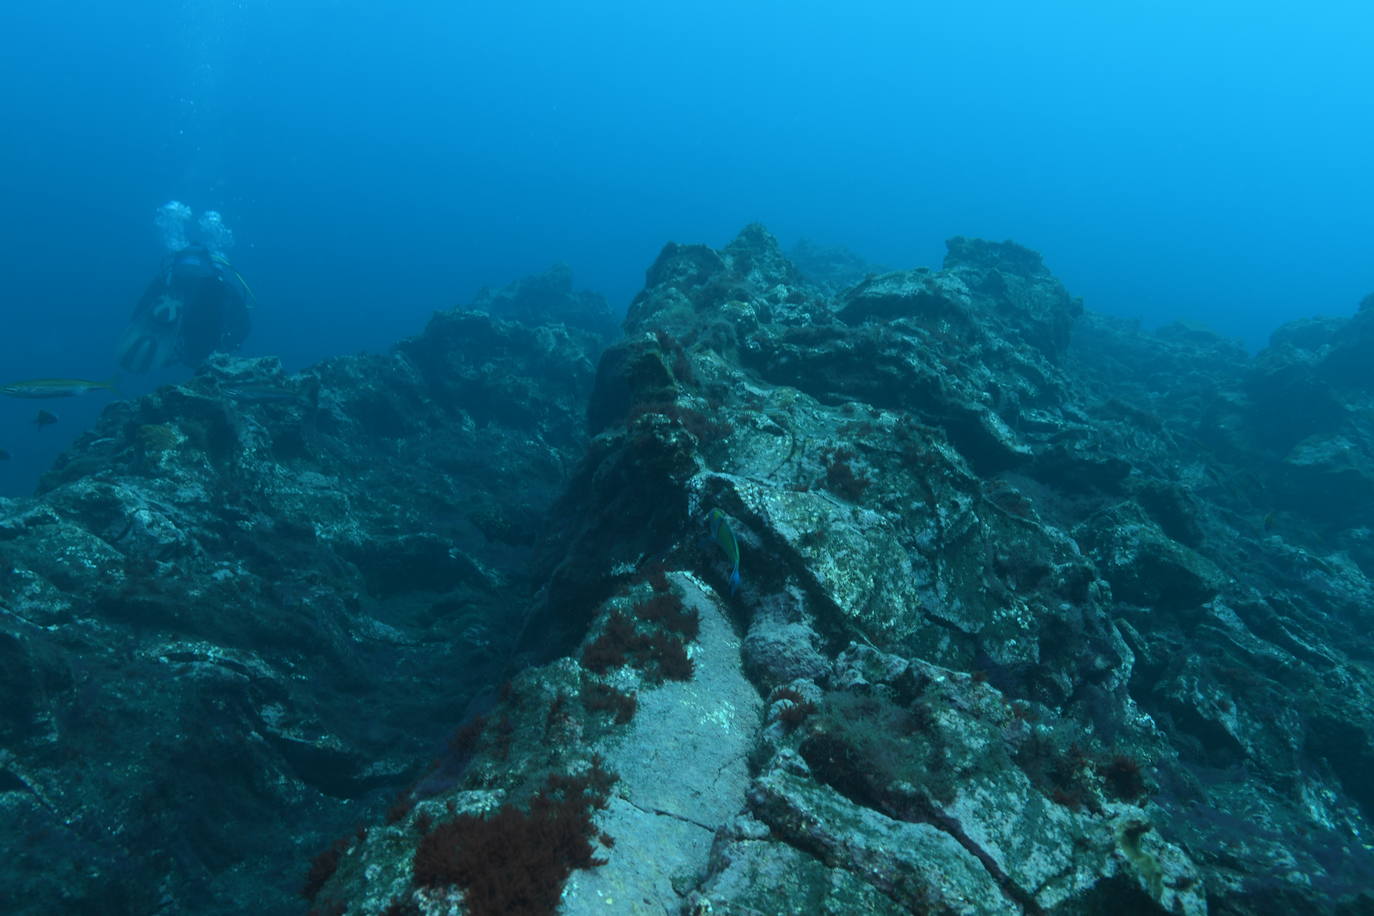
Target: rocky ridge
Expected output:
[243,611]
[1039,613]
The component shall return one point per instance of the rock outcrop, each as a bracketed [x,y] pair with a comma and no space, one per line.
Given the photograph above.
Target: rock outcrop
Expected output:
[1039,616]
[1038,612]
[244,611]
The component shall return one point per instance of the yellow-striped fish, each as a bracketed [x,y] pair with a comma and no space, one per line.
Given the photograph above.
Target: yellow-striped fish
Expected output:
[55,387]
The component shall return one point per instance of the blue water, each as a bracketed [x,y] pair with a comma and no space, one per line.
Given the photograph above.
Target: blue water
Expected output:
[380,161]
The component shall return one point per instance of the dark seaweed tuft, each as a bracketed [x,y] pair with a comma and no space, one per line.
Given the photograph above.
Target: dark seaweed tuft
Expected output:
[514,862]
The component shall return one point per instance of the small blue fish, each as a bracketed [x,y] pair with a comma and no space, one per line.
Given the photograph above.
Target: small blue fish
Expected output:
[721,533]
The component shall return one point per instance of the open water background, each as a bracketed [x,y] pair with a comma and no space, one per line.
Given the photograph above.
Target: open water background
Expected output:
[380,161]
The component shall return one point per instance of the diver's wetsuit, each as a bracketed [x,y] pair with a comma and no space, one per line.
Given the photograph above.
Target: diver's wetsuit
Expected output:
[196,305]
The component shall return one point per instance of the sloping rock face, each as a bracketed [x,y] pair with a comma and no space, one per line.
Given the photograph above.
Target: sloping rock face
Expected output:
[549,297]
[243,611]
[1036,613]
[1024,624]
[1310,400]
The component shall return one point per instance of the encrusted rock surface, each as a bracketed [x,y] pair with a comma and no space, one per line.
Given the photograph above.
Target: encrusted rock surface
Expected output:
[1039,613]
[244,610]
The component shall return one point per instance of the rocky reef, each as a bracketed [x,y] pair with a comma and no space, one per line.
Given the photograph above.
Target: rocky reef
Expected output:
[244,611]
[1037,613]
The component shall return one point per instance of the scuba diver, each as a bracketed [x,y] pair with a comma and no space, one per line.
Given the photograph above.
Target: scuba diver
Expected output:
[196,305]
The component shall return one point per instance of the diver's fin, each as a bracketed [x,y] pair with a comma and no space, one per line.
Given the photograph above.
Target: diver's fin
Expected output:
[143,347]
